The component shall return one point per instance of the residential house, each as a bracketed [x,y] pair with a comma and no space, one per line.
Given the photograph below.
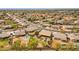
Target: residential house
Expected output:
[59,35]
[18,32]
[4,35]
[45,35]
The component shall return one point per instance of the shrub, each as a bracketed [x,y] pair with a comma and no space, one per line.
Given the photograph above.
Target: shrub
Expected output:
[70,46]
[4,42]
[16,45]
[15,26]
[44,43]
[56,44]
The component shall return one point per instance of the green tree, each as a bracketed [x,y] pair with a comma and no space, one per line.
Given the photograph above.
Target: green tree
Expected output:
[32,43]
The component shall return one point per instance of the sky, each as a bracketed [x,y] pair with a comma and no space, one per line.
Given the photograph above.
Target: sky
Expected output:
[39,4]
